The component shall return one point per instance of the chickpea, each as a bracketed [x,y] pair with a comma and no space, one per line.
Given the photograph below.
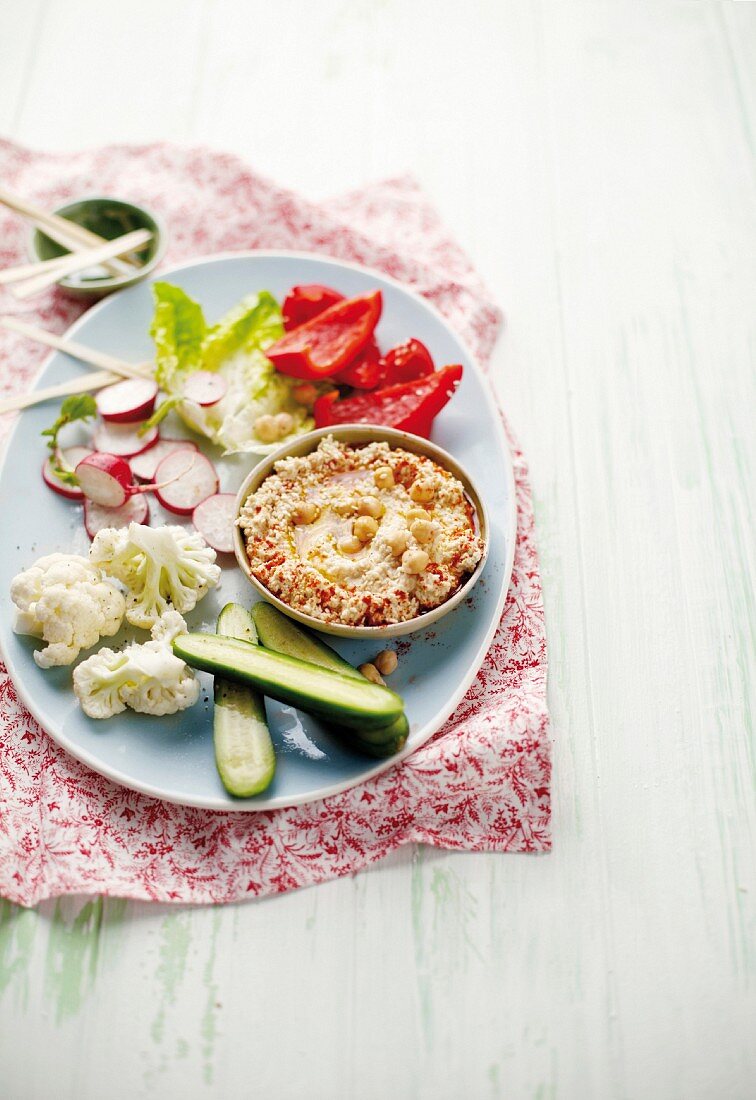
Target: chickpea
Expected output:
[371,673]
[365,528]
[422,530]
[422,490]
[305,394]
[414,561]
[266,429]
[284,423]
[306,512]
[397,542]
[384,477]
[349,544]
[371,506]
[386,662]
[416,513]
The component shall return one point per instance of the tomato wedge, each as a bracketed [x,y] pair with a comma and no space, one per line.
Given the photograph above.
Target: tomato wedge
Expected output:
[410,406]
[407,361]
[330,341]
[302,303]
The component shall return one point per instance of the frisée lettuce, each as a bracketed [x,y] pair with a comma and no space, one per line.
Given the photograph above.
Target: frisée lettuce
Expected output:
[235,348]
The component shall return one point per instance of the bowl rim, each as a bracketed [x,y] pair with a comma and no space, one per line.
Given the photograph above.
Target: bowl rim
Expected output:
[357,433]
[112,282]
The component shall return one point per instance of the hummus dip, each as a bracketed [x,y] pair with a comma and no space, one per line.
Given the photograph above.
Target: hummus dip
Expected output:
[360,535]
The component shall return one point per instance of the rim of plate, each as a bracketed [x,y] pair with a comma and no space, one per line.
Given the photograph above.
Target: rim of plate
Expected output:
[417,738]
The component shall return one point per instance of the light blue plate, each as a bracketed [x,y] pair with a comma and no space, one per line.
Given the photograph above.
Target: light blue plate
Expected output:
[172,757]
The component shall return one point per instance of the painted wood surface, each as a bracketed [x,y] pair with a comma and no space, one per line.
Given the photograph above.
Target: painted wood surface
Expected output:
[597,160]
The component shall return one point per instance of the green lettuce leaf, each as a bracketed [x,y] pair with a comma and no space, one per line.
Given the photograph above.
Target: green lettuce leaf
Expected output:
[179,330]
[255,323]
[234,347]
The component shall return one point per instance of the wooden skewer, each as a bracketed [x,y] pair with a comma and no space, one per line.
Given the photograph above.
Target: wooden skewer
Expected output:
[93,380]
[64,232]
[77,261]
[24,271]
[91,356]
[73,244]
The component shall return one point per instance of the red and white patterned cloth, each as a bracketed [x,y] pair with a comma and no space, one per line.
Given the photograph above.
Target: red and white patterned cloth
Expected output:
[482,783]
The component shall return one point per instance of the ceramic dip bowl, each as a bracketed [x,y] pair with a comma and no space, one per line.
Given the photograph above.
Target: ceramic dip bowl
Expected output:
[108,218]
[357,434]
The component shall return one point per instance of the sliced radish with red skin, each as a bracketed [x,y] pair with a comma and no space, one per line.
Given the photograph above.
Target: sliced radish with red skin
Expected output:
[214,519]
[192,479]
[127,401]
[105,479]
[205,388]
[123,439]
[97,518]
[144,466]
[71,456]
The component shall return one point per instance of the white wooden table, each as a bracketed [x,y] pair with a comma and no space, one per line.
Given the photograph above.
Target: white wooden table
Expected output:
[597,161]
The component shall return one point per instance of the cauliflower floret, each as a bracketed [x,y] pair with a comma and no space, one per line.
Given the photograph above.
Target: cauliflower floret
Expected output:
[65,600]
[160,566]
[149,678]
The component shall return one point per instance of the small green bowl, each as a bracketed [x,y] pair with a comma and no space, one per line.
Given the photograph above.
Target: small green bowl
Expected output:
[108,218]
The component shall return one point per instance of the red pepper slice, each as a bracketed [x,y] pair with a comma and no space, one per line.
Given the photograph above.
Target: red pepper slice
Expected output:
[302,303]
[407,361]
[366,372]
[328,342]
[410,406]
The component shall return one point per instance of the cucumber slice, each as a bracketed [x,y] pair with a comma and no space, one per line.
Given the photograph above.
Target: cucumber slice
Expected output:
[284,636]
[396,730]
[278,632]
[341,699]
[382,742]
[244,752]
[235,621]
[387,748]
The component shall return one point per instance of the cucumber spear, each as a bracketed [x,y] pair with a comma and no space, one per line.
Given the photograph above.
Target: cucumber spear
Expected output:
[243,748]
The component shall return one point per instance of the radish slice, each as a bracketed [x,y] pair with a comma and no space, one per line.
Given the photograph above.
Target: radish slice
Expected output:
[192,479]
[97,518]
[127,401]
[72,456]
[205,387]
[105,479]
[214,519]
[123,439]
[144,466]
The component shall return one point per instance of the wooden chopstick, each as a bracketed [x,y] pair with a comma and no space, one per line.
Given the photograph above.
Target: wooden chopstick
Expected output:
[64,232]
[93,380]
[92,356]
[25,271]
[77,261]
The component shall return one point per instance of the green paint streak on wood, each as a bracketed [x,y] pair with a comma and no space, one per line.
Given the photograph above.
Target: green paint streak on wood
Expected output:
[733,651]
[114,912]
[441,889]
[439,901]
[449,891]
[175,937]
[209,1027]
[421,965]
[544,1092]
[17,928]
[71,959]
